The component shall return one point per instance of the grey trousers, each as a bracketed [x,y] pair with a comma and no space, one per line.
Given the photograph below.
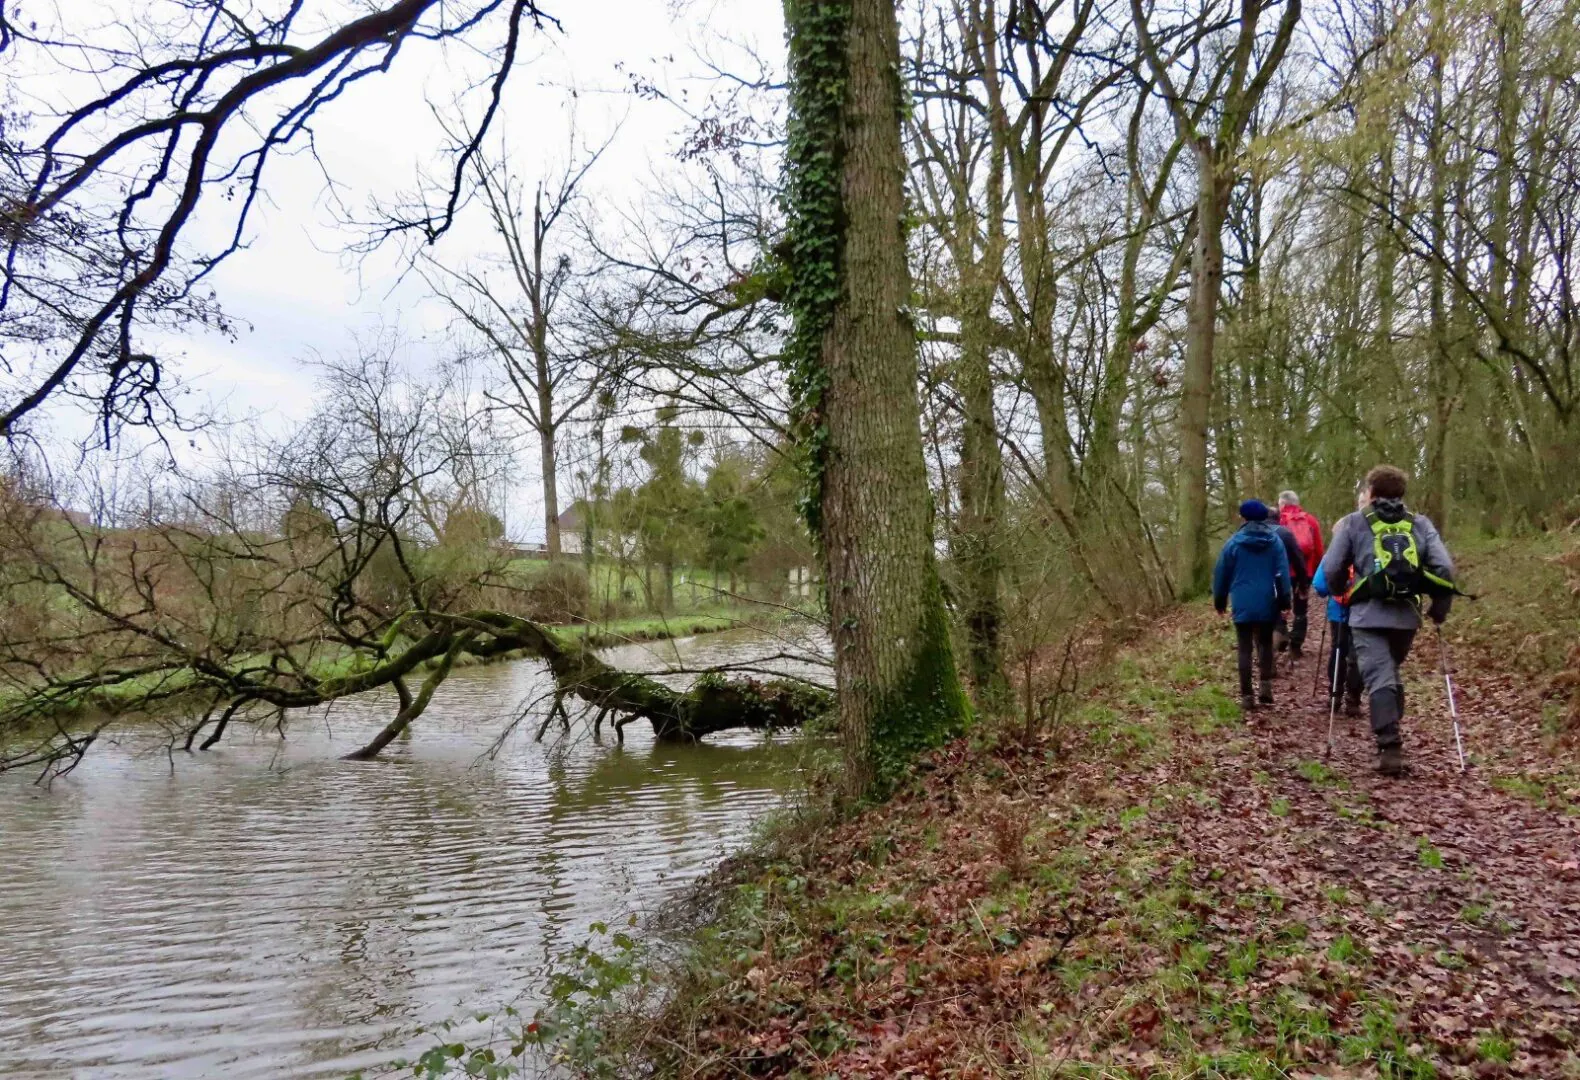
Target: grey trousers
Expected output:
[1379,654]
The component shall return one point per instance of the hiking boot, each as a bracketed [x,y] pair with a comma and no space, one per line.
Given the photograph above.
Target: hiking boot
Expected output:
[1266,697]
[1247,703]
[1352,706]
[1390,760]
[1385,727]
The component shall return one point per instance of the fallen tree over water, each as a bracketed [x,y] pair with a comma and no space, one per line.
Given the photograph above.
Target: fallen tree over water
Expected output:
[354,557]
[414,667]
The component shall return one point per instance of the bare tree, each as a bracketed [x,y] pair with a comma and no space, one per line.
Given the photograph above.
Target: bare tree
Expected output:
[188,104]
[352,556]
[515,301]
[1211,63]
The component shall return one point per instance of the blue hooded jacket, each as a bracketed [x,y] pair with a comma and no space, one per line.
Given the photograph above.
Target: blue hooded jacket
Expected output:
[1337,612]
[1252,574]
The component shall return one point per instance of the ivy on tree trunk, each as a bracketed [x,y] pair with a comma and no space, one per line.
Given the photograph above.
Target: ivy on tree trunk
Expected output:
[852,355]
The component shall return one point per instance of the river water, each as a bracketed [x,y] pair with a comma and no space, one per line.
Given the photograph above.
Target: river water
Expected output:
[267,910]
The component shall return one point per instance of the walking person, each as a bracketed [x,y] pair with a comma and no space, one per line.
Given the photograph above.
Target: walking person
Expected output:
[1307,532]
[1399,563]
[1252,577]
[1343,677]
[1299,583]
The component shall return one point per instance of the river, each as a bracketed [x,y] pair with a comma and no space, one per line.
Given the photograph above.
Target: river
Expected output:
[268,910]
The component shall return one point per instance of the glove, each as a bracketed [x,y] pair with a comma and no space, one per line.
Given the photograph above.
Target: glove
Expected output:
[1437,611]
[1221,608]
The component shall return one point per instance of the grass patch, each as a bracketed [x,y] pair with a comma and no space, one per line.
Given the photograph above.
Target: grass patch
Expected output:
[1495,1047]
[1315,772]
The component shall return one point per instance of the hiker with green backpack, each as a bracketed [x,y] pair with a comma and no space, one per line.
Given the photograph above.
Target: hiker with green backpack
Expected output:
[1400,563]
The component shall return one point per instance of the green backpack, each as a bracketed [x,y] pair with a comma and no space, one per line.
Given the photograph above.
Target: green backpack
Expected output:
[1398,574]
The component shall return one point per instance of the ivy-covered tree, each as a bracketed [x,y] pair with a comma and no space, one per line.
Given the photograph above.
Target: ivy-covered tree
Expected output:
[852,353]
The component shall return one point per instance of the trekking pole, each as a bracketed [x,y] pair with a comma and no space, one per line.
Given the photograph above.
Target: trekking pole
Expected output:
[1333,694]
[1322,647]
[1448,684]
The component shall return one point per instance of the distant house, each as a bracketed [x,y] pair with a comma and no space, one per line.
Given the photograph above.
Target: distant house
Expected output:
[800,580]
[573,526]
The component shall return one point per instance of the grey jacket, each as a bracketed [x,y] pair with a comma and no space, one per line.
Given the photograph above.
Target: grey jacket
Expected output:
[1352,548]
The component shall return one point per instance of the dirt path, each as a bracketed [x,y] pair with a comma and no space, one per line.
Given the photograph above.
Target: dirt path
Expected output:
[1159,889]
[1468,897]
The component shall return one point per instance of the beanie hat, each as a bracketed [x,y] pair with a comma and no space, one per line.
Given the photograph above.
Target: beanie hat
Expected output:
[1254,510]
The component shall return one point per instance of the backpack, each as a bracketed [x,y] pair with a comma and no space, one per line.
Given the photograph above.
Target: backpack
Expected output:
[1307,536]
[1398,573]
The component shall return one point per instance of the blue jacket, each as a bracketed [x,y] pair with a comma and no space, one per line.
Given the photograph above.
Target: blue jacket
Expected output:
[1337,612]
[1252,574]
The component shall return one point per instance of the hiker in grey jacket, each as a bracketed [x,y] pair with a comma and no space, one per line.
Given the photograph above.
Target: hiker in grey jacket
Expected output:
[1383,629]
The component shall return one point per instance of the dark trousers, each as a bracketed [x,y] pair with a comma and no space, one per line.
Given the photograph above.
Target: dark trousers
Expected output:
[1262,634]
[1341,657]
[1297,632]
[1288,636]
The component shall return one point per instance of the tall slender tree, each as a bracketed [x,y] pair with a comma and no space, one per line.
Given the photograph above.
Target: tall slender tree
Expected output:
[1212,108]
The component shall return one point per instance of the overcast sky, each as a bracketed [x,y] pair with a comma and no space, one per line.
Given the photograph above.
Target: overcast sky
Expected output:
[299,291]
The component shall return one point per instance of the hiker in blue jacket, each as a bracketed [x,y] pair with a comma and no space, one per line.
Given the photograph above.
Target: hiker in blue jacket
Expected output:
[1345,685]
[1252,577]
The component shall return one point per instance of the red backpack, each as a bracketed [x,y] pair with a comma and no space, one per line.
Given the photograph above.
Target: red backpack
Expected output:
[1308,534]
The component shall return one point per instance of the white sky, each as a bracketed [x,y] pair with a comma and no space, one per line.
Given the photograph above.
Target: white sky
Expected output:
[301,293]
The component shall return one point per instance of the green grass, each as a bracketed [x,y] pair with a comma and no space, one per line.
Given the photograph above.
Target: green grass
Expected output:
[1315,772]
[605,632]
[1430,857]
[1494,1047]
[1526,614]
[694,591]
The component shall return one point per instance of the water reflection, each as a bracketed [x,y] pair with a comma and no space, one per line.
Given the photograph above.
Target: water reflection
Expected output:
[267,910]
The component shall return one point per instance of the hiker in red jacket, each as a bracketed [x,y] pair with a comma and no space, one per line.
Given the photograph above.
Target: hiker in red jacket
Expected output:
[1308,535]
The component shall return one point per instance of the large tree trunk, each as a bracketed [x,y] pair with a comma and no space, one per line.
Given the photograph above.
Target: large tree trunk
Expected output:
[1195,568]
[898,688]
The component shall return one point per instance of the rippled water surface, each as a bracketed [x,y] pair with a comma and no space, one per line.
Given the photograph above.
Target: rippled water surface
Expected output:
[266,910]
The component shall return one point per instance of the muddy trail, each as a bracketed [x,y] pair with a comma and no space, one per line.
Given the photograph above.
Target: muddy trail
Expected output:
[1159,886]
[1471,894]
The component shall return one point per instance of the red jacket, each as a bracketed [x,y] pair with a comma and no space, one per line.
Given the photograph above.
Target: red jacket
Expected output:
[1308,534]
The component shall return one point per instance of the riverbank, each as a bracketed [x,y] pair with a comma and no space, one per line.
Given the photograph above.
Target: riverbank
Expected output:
[1158,888]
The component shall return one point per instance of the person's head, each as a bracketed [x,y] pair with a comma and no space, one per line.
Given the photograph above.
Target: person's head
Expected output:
[1288,498]
[1386,482]
[1253,510]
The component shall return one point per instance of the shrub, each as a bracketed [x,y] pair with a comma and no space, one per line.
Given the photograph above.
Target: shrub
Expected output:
[560,593]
